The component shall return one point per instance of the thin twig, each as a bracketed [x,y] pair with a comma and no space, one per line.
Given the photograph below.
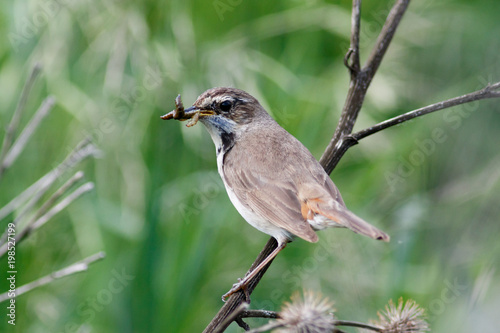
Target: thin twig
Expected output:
[267,327]
[385,37]
[357,324]
[490,91]
[87,187]
[83,150]
[60,192]
[46,206]
[485,93]
[42,210]
[48,215]
[77,267]
[259,314]
[25,135]
[274,315]
[16,117]
[351,59]
[242,324]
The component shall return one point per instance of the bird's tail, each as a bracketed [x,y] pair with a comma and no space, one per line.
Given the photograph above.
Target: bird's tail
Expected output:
[339,216]
[360,226]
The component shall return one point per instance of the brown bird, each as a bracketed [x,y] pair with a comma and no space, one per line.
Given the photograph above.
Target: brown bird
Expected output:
[273,181]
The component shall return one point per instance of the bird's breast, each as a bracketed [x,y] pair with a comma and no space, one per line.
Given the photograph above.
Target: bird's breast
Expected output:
[257,221]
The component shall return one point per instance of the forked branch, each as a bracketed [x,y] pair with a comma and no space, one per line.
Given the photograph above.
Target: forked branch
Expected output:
[361,79]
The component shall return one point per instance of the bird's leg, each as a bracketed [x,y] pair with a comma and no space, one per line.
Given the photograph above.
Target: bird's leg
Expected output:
[243,283]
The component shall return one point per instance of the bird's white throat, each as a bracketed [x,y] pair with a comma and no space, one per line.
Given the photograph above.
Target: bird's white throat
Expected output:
[222,131]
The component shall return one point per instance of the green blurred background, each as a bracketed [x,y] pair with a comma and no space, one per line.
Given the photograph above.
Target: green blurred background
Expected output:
[159,209]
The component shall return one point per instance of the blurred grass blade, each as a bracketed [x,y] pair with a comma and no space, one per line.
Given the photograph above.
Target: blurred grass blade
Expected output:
[28,131]
[48,215]
[16,117]
[77,267]
[83,150]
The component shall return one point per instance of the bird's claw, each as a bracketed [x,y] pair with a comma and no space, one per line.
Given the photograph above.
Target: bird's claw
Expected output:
[241,284]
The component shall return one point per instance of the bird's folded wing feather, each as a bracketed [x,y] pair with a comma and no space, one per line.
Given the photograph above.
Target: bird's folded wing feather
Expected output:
[336,212]
[274,198]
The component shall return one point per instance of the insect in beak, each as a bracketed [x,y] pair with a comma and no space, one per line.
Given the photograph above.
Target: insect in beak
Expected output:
[192,113]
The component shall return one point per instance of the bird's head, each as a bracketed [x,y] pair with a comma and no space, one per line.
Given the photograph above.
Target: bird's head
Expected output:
[226,112]
[227,105]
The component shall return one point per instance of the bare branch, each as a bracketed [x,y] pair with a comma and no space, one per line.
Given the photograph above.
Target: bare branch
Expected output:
[485,93]
[267,327]
[259,314]
[357,324]
[233,316]
[25,135]
[351,59]
[276,324]
[359,84]
[490,91]
[385,37]
[16,117]
[219,321]
[77,267]
[274,315]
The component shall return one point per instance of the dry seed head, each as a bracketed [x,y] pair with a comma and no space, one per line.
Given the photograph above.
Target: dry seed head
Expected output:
[311,313]
[404,318]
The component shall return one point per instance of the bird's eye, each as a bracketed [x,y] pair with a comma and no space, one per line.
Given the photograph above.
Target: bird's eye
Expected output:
[225,106]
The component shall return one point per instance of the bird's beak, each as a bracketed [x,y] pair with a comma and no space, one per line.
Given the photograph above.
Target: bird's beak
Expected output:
[192,110]
[185,114]
[192,114]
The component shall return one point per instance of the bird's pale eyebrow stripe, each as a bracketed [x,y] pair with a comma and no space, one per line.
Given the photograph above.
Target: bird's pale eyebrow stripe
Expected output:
[211,100]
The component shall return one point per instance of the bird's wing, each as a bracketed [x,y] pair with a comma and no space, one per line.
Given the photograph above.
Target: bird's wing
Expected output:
[274,198]
[280,180]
